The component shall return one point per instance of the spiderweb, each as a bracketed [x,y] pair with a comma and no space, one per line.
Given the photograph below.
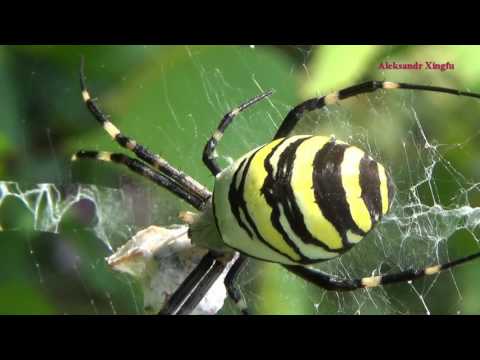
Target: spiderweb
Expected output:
[178,95]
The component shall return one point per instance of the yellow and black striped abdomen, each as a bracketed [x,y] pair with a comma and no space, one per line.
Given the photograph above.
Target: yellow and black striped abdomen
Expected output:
[301,199]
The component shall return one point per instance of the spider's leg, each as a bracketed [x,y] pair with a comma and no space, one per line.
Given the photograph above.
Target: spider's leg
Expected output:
[145,171]
[232,286]
[298,111]
[188,285]
[199,281]
[140,151]
[202,288]
[208,151]
[330,282]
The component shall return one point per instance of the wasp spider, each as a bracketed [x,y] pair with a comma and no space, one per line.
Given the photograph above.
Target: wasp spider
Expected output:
[296,201]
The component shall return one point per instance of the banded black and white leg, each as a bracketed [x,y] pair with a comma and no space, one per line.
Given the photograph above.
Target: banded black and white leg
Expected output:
[154,160]
[298,111]
[144,170]
[209,150]
[329,282]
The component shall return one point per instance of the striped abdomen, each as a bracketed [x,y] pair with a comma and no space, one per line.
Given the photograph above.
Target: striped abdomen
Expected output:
[301,199]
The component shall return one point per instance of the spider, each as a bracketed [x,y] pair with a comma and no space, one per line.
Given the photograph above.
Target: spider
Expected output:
[296,201]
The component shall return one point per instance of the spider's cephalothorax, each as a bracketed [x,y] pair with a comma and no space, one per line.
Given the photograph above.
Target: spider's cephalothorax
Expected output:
[300,199]
[295,201]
